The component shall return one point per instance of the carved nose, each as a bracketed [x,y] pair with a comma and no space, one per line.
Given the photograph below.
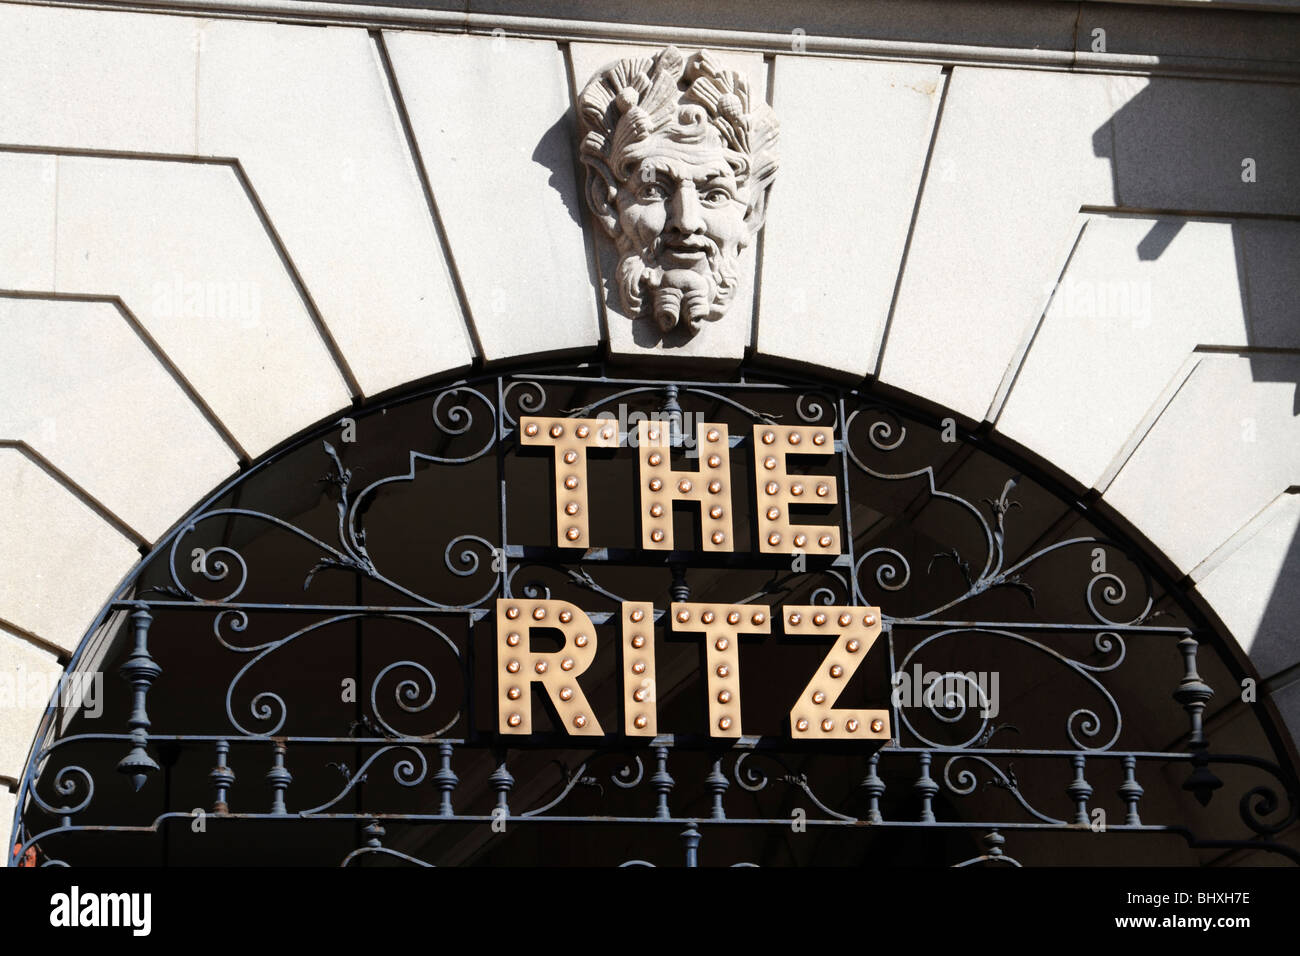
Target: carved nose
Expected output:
[685,210]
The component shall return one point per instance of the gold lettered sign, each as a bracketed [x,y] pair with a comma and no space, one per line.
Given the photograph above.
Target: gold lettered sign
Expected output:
[849,631]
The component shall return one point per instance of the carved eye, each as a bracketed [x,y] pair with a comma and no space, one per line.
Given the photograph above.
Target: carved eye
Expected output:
[652,192]
[716,197]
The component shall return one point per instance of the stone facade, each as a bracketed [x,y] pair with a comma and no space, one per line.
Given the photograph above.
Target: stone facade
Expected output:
[217,230]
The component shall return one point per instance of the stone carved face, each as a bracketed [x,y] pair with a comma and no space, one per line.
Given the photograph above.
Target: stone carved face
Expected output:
[679,163]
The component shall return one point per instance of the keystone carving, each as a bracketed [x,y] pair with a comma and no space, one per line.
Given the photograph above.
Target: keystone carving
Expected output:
[680,157]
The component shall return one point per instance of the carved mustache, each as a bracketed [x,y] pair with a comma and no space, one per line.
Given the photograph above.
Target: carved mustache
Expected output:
[698,243]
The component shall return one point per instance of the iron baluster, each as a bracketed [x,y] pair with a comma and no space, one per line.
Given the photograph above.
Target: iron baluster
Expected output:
[279,778]
[445,778]
[222,777]
[502,781]
[680,590]
[140,670]
[691,840]
[716,783]
[926,788]
[672,411]
[1193,693]
[993,843]
[1079,790]
[1130,791]
[1202,782]
[875,788]
[662,781]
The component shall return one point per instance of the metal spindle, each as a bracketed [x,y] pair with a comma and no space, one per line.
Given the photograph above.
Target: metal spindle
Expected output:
[279,777]
[222,777]
[680,590]
[374,834]
[672,410]
[717,783]
[1130,791]
[1079,790]
[926,788]
[502,781]
[875,789]
[1193,693]
[691,840]
[993,843]
[140,670]
[445,778]
[662,781]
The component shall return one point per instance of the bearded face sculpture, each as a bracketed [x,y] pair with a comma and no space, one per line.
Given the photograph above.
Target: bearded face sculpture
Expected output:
[679,162]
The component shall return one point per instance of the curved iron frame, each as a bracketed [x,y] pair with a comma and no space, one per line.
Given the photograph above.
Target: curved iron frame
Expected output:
[819,404]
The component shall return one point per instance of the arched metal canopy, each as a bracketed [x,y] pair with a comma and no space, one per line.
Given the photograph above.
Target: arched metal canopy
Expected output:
[313,671]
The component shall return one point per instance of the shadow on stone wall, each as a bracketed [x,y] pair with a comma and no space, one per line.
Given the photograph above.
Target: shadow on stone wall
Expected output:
[1181,147]
[1178,147]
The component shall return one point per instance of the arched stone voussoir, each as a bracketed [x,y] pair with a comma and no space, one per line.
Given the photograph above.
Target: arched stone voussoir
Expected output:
[29,675]
[1262,619]
[838,220]
[186,251]
[716,340]
[59,559]
[8,804]
[80,385]
[492,122]
[1225,447]
[307,113]
[1017,156]
[1140,293]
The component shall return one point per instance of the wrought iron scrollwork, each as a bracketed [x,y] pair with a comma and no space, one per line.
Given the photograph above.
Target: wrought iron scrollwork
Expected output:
[267,705]
[893,573]
[413,736]
[754,779]
[941,695]
[630,774]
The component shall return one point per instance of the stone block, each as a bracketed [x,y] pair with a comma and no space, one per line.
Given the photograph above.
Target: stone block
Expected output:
[27,677]
[1226,446]
[493,121]
[27,189]
[841,206]
[1140,293]
[1255,588]
[59,561]
[1012,163]
[183,247]
[97,79]
[310,116]
[81,388]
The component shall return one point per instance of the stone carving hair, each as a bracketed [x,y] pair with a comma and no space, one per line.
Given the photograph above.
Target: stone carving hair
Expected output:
[641,115]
